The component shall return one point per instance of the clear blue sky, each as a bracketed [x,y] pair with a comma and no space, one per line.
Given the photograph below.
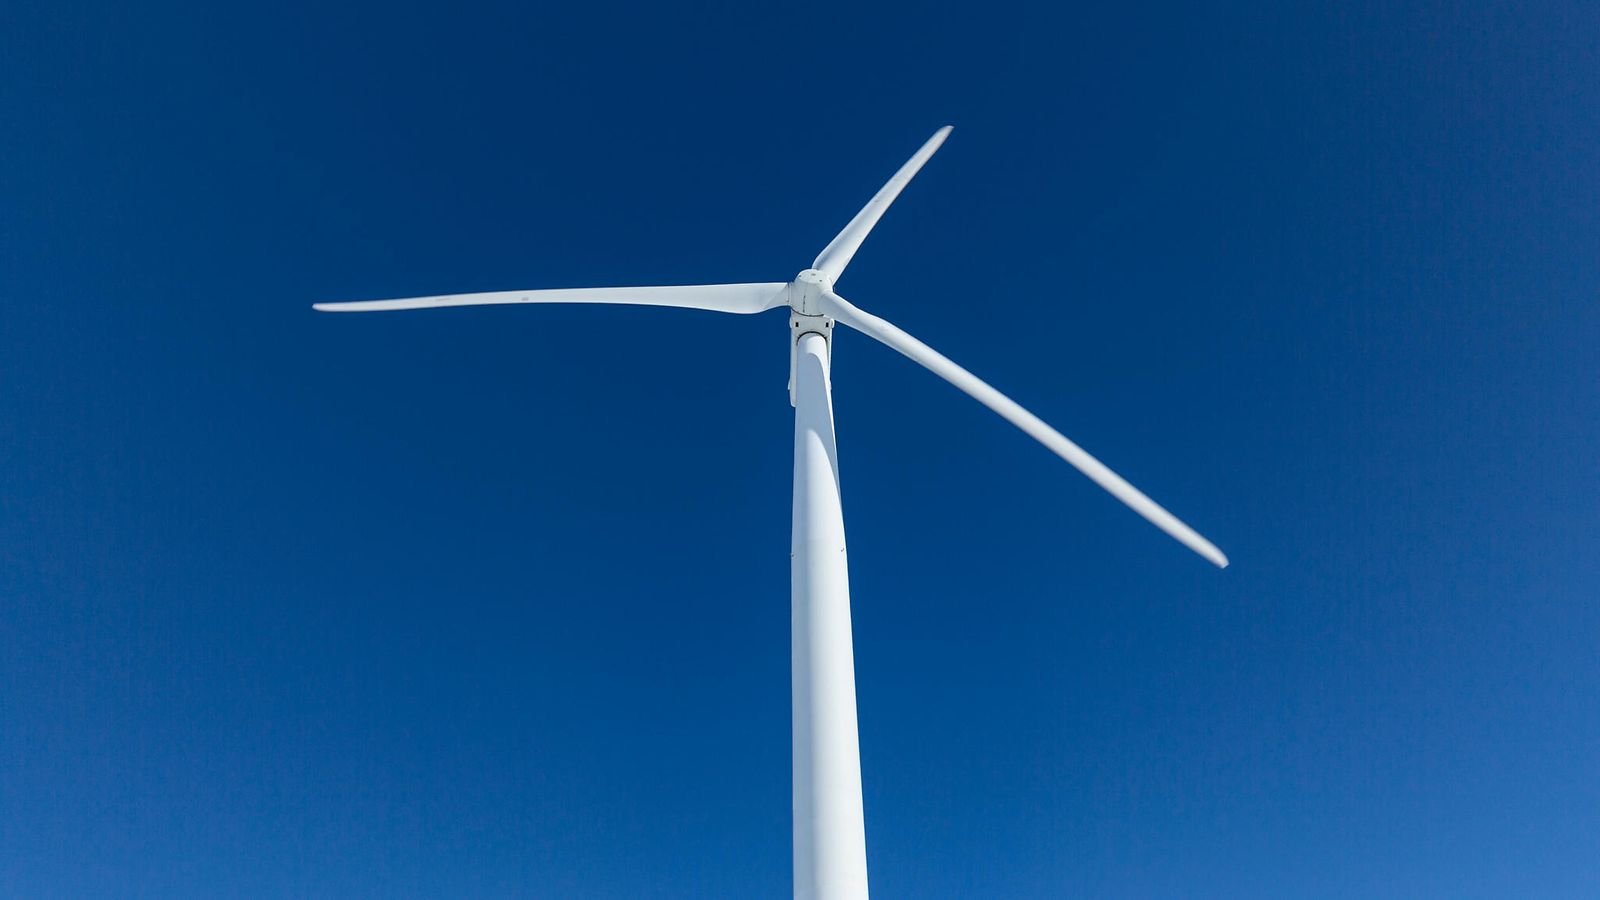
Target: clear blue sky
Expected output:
[494,602]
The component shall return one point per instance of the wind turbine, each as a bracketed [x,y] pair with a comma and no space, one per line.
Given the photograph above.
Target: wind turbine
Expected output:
[830,857]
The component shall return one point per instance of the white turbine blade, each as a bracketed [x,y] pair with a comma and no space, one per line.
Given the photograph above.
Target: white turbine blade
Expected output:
[877,328]
[837,254]
[729,298]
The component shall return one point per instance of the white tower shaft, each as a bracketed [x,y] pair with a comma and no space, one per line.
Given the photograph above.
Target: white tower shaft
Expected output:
[830,846]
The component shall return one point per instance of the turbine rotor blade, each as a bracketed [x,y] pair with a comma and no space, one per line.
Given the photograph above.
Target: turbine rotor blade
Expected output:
[728,298]
[838,253]
[1032,425]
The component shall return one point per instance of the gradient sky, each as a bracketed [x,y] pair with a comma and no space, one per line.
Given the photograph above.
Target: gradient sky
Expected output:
[494,602]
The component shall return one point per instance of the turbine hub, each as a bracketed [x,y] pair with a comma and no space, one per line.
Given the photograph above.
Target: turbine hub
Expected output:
[804,294]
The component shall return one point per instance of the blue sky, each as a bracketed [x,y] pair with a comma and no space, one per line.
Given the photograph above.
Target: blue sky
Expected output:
[494,602]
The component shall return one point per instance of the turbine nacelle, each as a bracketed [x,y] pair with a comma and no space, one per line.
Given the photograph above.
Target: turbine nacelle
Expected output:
[806,297]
